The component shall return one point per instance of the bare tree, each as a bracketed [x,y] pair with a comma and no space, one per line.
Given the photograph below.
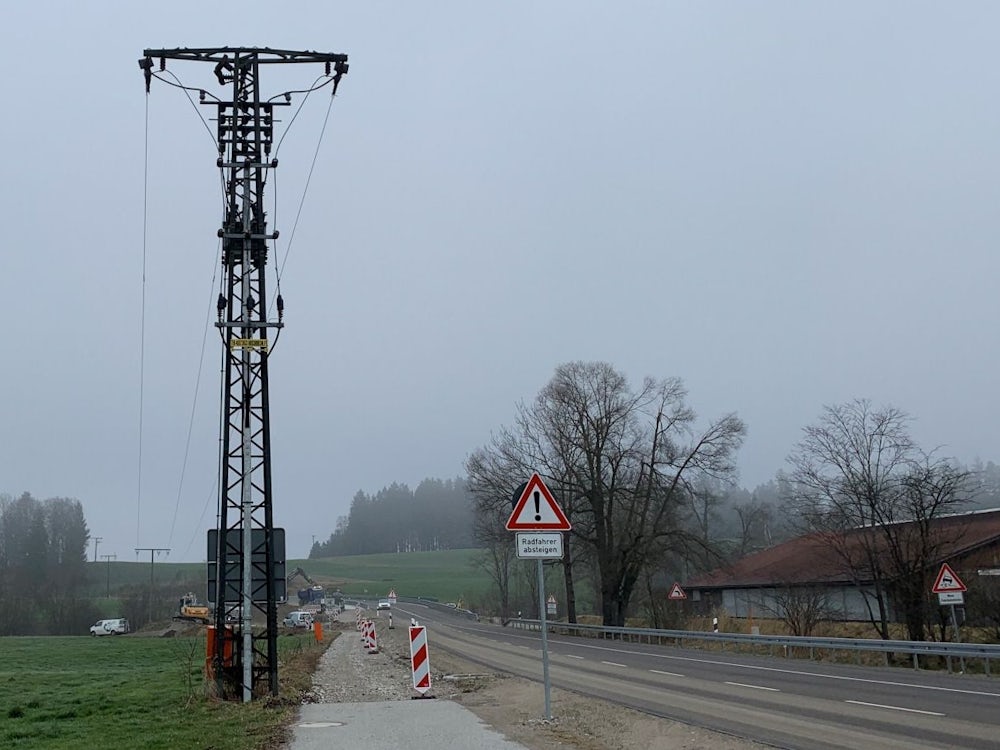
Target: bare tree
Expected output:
[860,481]
[493,474]
[755,519]
[704,500]
[627,461]
[801,608]
[497,556]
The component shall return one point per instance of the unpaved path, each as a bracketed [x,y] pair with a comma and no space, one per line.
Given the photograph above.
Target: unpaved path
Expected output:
[513,706]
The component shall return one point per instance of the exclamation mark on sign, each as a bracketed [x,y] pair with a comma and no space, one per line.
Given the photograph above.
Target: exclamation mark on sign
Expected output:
[538,514]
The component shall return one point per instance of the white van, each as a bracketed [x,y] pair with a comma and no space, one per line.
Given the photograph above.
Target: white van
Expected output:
[298,619]
[118,626]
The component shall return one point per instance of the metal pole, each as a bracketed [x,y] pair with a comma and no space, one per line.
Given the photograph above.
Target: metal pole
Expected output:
[245,270]
[545,641]
[152,551]
[97,540]
[958,635]
[109,558]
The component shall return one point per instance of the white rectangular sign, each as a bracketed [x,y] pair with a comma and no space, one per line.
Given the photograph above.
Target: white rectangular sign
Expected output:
[951,597]
[542,545]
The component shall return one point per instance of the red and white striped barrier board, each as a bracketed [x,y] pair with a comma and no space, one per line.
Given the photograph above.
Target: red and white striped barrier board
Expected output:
[371,640]
[419,659]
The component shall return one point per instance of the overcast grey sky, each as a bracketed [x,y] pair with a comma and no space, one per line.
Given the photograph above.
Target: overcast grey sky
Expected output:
[786,204]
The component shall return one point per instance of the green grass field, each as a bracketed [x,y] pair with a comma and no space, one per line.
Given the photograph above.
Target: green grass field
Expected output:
[448,575]
[82,692]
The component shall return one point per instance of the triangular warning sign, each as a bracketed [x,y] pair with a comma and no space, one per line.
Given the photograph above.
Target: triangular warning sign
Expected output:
[537,510]
[947,581]
[676,592]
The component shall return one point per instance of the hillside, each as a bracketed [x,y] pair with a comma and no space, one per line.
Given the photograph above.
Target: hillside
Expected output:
[447,575]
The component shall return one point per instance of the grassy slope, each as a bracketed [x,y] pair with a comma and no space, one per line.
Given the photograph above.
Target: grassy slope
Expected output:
[448,575]
[69,693]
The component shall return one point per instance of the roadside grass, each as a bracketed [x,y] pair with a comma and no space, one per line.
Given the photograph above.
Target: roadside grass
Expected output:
[66,693]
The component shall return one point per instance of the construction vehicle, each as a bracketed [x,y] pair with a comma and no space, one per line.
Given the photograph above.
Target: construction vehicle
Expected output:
[297,573]
[312,595]
[189,609]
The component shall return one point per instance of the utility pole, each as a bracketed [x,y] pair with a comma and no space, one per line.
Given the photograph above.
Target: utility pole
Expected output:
[153,551]
[109,558]
[97,540]
[243,562]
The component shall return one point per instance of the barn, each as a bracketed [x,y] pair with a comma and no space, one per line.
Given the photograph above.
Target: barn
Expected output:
[829,566]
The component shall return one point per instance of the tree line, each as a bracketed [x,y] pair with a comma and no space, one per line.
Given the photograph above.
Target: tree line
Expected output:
[436,515]
[43,578]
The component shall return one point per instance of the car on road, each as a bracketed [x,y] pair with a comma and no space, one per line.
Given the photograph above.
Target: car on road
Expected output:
[298,619]
[117,626]
[383,604]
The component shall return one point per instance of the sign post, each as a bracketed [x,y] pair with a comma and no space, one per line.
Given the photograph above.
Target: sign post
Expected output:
[536,511]
[950,590]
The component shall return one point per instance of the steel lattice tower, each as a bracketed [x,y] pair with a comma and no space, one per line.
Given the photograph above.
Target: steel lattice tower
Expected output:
[246,562]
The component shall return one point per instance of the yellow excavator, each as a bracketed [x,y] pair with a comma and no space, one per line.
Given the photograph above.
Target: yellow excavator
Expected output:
[190,610]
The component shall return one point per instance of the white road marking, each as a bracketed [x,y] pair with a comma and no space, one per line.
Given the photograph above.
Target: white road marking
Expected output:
[799,672]
[896,708]
[573,656]
[753,687]
[668,674]
[612,664]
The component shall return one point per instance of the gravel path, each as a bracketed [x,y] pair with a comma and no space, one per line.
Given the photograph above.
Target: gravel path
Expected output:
[347,673]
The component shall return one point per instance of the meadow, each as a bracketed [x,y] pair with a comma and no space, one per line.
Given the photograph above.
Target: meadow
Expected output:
[447,575]
[66,693]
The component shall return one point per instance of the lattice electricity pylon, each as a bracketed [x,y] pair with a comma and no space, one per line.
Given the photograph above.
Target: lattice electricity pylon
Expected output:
[246,556]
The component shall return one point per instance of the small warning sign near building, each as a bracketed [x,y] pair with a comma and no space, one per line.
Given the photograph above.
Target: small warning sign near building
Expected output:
[947,581]
[676,593]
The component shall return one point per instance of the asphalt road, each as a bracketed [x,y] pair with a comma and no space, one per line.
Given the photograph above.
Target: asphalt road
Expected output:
[789,703]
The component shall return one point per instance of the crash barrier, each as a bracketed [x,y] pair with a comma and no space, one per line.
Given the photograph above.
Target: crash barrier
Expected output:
[436,605]
[788,645]
[420,662]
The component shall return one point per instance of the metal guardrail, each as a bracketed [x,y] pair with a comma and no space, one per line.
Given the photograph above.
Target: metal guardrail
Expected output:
[790,645]
[439,606]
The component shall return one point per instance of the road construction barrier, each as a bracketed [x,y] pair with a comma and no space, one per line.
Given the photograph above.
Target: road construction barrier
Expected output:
[420,662]
[371,639]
